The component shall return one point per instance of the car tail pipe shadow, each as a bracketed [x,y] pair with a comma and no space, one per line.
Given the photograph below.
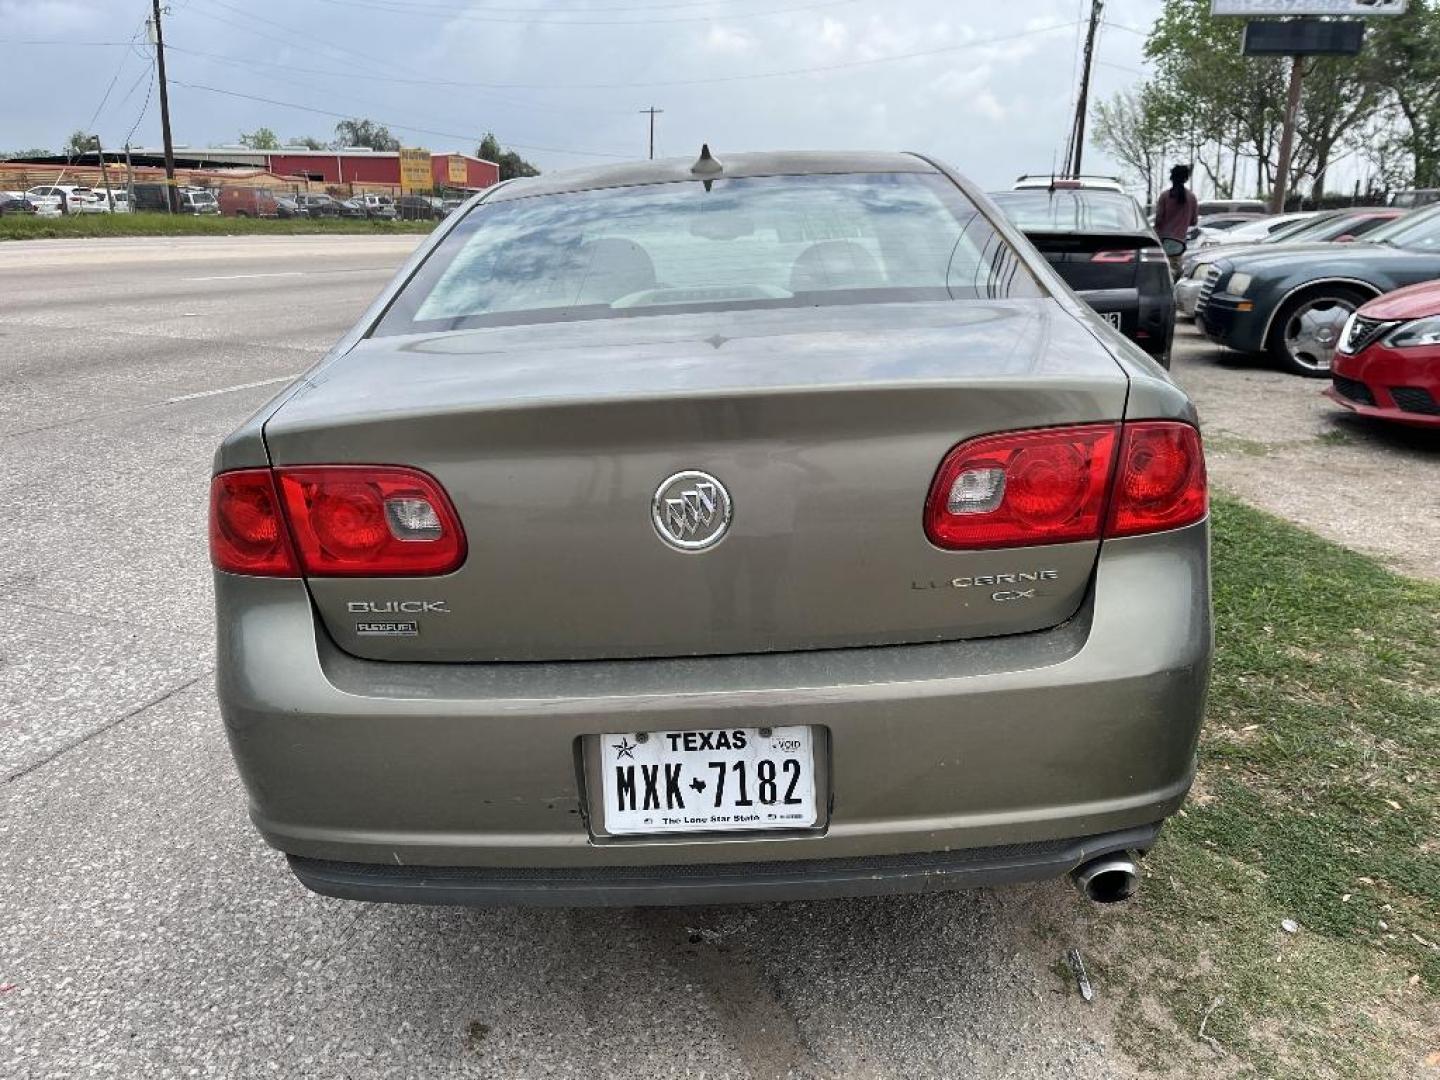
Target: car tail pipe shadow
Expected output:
[1108,879]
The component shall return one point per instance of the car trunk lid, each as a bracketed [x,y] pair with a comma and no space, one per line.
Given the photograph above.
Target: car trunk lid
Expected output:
[825,426]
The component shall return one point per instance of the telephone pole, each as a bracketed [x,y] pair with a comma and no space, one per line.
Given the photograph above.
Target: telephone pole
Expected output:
[1082,102]
[653,111]
[159,34]
[104,174]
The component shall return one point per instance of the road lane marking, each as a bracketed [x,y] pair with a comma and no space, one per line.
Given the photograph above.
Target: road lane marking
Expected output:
[241,277]
[296,273]
[106,414]
[230,389]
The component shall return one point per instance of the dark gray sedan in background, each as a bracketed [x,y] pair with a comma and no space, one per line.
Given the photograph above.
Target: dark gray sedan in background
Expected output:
[1103,247]
[677,532]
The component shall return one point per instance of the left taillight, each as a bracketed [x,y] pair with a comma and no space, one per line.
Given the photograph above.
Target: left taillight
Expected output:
[334,521]
[1125,256]
[247,532]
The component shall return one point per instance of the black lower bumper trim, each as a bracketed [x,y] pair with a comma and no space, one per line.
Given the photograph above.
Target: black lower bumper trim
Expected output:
[712,883]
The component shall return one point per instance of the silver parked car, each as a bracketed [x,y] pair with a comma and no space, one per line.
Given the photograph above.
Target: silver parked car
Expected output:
[668,532]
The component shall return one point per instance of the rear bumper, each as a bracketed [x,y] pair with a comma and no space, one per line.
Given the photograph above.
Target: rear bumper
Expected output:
[1079,731]
[713,883]
[1146,318]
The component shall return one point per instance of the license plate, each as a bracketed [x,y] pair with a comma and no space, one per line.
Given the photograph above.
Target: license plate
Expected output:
[727,780]
[1112,317]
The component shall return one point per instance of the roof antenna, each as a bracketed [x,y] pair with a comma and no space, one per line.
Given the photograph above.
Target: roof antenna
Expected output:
[706,166]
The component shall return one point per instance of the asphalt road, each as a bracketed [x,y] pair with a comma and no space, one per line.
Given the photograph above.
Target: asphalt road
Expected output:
[146,929]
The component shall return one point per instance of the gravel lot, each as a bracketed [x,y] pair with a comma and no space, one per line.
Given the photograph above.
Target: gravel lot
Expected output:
[148,931]
[1272,439]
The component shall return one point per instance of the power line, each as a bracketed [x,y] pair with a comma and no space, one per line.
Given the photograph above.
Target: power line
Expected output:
[390,123]
[461,9]
[113,80]
[144,108]
[714,80]
[341,51]
[365,76]
[480,15]
[67,41]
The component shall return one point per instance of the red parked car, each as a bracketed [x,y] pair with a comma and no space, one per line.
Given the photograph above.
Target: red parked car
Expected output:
[1388,362]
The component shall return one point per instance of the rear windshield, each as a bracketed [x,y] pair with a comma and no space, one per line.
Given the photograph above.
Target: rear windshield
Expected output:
[757,242]
[1072,211]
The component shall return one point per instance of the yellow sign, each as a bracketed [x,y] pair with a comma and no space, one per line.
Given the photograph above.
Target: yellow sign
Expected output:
[415,172]
[459,170]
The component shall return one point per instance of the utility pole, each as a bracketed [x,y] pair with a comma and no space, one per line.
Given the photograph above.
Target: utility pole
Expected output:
[1082,103]
[129,179]
[1287,137]
[159,34]
[653,112]
[104,174]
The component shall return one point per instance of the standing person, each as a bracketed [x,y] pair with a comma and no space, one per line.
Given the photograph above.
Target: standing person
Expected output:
[1176,210]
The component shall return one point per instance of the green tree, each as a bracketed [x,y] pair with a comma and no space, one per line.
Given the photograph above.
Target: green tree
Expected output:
[80,142]
[1402,60]
[309,142]
[511,164]
[260,139]
[1133,128]
[1216,98]
[364,133]
[1335,97]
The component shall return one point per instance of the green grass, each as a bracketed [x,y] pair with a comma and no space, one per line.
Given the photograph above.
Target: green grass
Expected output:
[1318,800]
[90,226]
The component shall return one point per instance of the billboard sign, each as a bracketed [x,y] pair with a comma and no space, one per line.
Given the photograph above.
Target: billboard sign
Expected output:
[415,174]
[1254,8]
[459,172]
[1303,37]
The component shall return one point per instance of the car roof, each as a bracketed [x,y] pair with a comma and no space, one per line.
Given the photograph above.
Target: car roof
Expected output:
[669,170]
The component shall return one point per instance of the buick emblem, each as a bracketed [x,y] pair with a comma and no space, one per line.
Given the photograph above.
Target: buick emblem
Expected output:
[691,511]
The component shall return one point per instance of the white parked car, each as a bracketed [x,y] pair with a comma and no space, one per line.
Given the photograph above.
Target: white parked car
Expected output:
[1250,233]
[94,201]
[50,200]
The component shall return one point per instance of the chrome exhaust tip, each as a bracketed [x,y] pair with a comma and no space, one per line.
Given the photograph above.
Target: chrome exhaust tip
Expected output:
[1108,879]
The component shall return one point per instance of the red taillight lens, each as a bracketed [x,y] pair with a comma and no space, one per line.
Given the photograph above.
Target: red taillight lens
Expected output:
[247,535]
[370,521]
[1051,486]
[1160,481]
[1014,490]
[343,521]
[1114,256]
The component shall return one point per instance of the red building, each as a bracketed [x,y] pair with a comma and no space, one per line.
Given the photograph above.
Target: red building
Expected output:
[351,166]
[378,167]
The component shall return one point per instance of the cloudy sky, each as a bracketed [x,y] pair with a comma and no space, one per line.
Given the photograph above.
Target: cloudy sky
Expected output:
[987,86]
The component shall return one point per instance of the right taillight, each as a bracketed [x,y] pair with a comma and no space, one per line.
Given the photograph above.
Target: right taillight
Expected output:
[1159,479]
[1057,485]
